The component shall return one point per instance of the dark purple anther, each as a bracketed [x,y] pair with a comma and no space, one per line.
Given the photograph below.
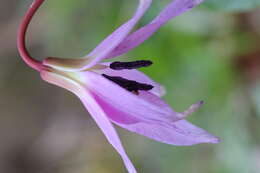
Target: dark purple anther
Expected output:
[129,85]
[130,65]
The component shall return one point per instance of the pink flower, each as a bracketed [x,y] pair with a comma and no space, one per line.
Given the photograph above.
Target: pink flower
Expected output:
[118,93]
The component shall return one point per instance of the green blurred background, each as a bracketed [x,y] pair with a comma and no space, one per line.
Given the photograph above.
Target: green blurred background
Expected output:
[211,53]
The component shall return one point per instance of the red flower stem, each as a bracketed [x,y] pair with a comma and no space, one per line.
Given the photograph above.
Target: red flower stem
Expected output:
[33,63]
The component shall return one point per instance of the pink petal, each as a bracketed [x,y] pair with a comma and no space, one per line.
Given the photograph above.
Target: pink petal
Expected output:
[94,109]
[135,75]
[175,8]
[178,133]
[107,128]
[181,133]
[138,106]
[118,35]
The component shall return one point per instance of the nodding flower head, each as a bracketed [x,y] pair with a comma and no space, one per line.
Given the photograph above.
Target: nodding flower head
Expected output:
[116,92]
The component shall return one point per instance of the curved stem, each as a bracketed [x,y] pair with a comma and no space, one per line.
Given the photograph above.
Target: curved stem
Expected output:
[33,63]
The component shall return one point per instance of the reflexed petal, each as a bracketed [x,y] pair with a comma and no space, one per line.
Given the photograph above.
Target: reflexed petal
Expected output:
[107,128]
[172,10]
[105,47]
[94,109]
[118,35]
[178,133]
[135,75]
[150,108]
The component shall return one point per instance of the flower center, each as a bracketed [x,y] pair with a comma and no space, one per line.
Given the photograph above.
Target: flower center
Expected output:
[130,85]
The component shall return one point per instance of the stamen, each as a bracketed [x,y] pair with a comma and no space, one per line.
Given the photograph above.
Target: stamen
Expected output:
[130,65]
[193,108]
[129,85]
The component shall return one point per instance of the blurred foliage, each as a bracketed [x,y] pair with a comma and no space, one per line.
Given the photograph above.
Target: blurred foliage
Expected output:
[204,54]
[232,5]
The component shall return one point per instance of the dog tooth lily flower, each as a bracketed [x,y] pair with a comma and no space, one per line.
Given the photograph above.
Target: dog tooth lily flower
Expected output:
[117,92]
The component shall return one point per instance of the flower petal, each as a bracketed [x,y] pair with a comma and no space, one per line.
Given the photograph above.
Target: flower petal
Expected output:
[173,9]
[138,106]
[107,128]
[105,47]
[178,133]
[135,75]
[94,109]
[118,35]
[181,133]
